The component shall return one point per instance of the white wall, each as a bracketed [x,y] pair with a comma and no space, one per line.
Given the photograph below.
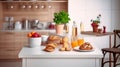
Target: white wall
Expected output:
[115,14]
[85,10]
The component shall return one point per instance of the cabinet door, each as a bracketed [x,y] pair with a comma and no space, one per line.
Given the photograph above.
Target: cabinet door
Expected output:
[21,39]
[7,49]
[7,39]
[61,63]
[8,53]
[1,15]
[12,42]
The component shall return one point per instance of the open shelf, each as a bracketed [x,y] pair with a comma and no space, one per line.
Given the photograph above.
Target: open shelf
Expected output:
[33,1]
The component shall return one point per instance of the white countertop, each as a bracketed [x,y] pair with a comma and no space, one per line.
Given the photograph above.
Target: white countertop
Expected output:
[27,52]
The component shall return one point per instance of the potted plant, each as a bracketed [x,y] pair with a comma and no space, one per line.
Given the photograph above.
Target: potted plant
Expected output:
[60,18]
[95,23]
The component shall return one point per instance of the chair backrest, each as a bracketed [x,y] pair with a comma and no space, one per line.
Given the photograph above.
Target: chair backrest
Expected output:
[116,36]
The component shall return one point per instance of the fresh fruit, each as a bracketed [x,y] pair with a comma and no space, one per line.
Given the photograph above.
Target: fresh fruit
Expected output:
[33,34]
[51,26]
[29,35]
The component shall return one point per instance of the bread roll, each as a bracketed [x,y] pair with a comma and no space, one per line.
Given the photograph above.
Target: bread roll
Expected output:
[65,39]
[86,46]
[62,49]
[54,39]
[50,47]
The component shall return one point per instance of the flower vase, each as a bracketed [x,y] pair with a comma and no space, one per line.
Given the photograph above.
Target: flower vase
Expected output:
[95,28]
[59,29]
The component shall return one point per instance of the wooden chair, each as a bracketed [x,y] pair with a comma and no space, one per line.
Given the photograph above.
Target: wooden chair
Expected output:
[115,51]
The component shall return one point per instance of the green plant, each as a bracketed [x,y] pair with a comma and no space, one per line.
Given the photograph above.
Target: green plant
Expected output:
[61,17]
[97,21]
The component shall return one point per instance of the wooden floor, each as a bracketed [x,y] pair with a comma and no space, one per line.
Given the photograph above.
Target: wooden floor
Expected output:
[17,64]
[11,64]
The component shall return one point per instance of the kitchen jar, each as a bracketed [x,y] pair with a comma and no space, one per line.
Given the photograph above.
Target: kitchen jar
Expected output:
[18,25]
[44,39]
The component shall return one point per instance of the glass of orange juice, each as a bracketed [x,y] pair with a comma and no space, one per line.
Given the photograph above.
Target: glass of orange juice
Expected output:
[74,42]
[80,41]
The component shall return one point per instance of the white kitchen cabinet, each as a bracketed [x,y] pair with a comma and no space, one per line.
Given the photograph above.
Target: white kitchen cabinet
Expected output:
[61,62]
[36,57]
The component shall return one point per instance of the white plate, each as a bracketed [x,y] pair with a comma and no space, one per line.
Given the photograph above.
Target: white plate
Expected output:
[77,49]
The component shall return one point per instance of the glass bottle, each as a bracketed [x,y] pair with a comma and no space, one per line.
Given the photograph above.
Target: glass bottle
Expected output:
[81,27]
[66,28]
[10,23]
[74,30]
[26,24]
